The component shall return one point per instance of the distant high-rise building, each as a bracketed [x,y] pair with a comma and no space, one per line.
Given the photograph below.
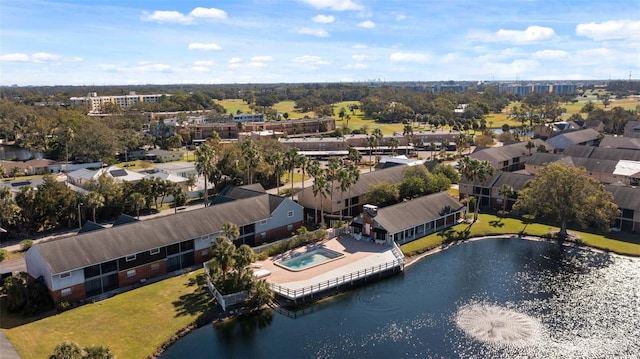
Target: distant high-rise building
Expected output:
[95,103]
[564,89]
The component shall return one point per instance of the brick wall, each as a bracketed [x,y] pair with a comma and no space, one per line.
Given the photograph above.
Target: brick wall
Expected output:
[146,271]
[77,293]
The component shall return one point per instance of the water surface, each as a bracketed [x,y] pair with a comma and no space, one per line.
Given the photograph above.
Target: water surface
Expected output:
[587,303]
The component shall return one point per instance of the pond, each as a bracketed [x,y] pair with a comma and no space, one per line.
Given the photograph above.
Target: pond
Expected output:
[498,298]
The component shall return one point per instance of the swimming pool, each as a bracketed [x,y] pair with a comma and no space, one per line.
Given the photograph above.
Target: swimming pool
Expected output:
[308,259]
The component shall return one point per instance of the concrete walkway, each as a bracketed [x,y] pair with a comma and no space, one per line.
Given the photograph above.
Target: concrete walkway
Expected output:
[7,351]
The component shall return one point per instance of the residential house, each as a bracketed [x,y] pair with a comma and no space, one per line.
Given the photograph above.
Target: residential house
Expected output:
[487,192]
[632,129]
[510,157]
[158,155]
[586,137]
[349,203]
[92,263]
[628,200]
[83,176]
[286,215]
[626,143]
[409,220]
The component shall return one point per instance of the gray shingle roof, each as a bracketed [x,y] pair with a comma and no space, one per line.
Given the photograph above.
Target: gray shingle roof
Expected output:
[625,197]
[417,211]
[91,248]
[603,153]
[516,180]
[572,138]
[496,155]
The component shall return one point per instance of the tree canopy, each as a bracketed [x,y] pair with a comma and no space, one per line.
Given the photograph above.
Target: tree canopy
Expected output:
[567,195]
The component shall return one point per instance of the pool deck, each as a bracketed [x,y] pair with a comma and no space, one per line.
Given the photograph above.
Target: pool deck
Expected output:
[358,256]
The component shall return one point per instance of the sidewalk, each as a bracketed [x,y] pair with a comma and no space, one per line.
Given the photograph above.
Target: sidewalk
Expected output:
[7,351]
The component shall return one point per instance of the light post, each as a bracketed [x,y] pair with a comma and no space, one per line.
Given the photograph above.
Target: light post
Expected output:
[80,204]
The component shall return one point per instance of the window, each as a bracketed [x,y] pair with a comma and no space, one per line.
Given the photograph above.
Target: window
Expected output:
[130,258]
[131,273]
[263,235]
[65,275]
[65,292]
[289,227]
[205,252]
[154,251]
[264,221]
[290,214]
[155,266]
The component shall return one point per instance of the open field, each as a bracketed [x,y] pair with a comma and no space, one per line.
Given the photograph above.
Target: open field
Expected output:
[133,324]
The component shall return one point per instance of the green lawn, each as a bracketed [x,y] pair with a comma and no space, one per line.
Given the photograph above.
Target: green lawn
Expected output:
[489,225]
[133,324]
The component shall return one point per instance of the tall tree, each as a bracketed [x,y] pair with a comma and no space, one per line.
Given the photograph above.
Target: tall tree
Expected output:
[291,158]
[276,159]
[251,157]
[567,195]
[205,166]
[321,186]
[505,191]
[94,200]
[138,202]
[231,231]
[476,172]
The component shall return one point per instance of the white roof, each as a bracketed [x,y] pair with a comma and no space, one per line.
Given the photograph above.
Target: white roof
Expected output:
[167,177]
[627,168]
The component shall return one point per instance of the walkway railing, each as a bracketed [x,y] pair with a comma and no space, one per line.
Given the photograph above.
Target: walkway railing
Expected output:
[294,294]
[397,253]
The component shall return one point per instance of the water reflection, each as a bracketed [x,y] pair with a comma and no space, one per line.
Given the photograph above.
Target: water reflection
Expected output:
[586,304]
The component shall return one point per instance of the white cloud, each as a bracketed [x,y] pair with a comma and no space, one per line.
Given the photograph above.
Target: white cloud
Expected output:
[76,59]
[262,58]
[608,30]
[336,5]
[44,57]
[200,69]
[323,19]
[313,32]
[204,46]
[208,13]
[409,57]
[176,17]
[172,17]
[308,59]
[360,46]
[531,34]
[153,68]
[550,54]
[235,60]
[204,63]
[17,57]
[400,17]
[367,24]
[357,66]
[360,57]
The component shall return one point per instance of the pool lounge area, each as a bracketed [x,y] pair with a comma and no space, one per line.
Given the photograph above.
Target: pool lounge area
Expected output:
[309,259]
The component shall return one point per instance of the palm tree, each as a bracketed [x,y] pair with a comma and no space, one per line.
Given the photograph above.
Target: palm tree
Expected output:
[476,172]
[222,254]
[276,159]
[321,186]
[205,156]
[303,164]
[529,146]
[251,157]
[138,201]
[69,135]
[354,174]
[15,172]
[231,230]
[354,155]
[377,133]
[332,175]
[371,143]
[505,191]
[394,143]
[408,132]
[95,200]
[291,161]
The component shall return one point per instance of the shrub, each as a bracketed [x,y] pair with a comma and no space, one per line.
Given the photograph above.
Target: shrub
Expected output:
[3,254]
[25,245]
[63,306]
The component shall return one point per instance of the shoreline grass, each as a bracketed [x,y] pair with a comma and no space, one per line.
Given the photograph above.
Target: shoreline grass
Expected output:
[490,225]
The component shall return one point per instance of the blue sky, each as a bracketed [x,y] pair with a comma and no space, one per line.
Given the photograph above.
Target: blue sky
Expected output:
[46,42]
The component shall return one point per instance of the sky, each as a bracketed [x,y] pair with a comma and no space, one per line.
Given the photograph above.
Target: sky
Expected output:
[132,42]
